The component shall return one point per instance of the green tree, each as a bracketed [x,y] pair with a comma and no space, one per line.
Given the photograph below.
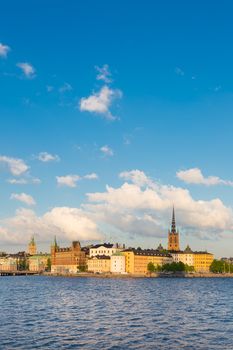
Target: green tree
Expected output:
[48,267]
[82,268]
[151,268]
[219,266]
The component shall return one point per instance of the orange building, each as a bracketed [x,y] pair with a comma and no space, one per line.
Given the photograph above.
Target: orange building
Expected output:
[67,260]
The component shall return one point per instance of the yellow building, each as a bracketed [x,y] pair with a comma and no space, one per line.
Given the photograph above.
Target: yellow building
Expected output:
[202,261]
[99,264]
[137,260]
[32,247]
[39,262]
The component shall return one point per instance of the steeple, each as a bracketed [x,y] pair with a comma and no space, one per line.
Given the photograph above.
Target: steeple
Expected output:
[173,226]
[173,235]
[32,246]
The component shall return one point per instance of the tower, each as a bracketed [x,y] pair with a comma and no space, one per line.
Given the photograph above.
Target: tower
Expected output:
[54,248]
[173,235]
[32,246]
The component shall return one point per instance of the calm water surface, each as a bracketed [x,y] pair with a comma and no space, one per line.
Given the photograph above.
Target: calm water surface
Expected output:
[73,313]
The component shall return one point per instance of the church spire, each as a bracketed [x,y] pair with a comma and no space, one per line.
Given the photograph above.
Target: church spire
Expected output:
[173,226]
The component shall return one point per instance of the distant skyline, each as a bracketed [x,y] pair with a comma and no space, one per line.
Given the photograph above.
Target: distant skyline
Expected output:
[111,113]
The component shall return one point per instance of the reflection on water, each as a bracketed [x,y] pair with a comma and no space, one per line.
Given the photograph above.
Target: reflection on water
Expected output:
[72,313]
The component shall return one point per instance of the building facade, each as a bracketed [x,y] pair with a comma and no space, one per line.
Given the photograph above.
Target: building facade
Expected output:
[173,235]
[118,263]
[202,261]
[39,262]
[99,264]
[137,260]
[67,260]
[106,249]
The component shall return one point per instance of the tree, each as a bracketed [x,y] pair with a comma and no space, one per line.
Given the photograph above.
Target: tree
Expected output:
[82,268]
[48,267]
[219,266]
[150,268]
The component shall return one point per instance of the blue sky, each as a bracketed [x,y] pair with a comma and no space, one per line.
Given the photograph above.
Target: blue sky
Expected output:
[136,96]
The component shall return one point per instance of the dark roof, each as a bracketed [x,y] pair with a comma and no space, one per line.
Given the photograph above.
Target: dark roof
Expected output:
[148,252]
[105,245]
[100,257]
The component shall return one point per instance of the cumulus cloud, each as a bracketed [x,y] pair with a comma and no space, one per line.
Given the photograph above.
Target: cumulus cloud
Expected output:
[100,102]
[104,74]
[4,50]
[66,223]
[16,166]
[24,198]
[47,157]
[107,151]
[133,205]
[72,180]
[92,176]
[27,69]
[195,176]
[137,177]
[24,181]
[68,180]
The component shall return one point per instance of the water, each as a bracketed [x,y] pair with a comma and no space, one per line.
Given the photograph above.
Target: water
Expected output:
[73,313]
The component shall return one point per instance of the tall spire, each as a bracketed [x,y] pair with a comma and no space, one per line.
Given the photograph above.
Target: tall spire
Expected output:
[173,226]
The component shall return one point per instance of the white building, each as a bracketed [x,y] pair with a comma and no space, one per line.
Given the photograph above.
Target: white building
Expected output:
[105,249]
[117,263]
[185,256]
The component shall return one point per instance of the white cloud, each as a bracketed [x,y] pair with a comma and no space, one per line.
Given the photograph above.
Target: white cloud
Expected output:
[24,198]
[16,166]
[137,177]
[65,87]
[4,50]
[104,74]
[71,180]
[100,102]
[134,208]
[179,71]
[68,180]
[47,157]
[107,151]
[27,69]
[92,176]
[24,181]
[195,176]
[66,223]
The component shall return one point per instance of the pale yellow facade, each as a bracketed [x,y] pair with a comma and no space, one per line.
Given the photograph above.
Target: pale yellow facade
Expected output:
[185,258]
[38,263]
[202,261]
[137,263]
[8,264]
[99,265]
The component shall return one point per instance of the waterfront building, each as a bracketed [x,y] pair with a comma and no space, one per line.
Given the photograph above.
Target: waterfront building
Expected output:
[137,260]
[8,263]
[32,249]
[99,264]
[67,260]
[106,249]
[118,263]
[186,256]
[39,262]
[173,235]
[202,261]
